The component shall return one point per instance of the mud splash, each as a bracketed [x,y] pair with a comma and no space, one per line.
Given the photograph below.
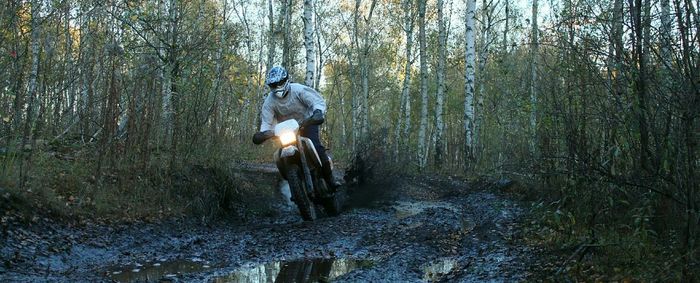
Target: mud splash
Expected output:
[307,270]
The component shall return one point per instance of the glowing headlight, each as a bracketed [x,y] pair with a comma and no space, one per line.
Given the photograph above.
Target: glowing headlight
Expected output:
[288,138]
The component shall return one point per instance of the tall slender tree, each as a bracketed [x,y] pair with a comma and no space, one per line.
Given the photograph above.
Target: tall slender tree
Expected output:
[440,96]
[405,104]
[309,43]
[469,81]
[534,46]
[422,149]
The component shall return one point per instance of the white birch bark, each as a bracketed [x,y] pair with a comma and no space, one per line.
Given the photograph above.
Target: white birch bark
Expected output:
[486,21]
[70,98]
[439,101]
[533,79]
[353,85]
[34,73]
[85,57]
[423,85]
[286,40]
[666,32]
[506,29]
[405,102]
[365,71]
[319,51]
[271,42]
[167,111]
[469,80]
[309,43]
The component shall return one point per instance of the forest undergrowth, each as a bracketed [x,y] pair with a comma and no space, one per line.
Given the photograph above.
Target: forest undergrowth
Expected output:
[65,181]
[589,235]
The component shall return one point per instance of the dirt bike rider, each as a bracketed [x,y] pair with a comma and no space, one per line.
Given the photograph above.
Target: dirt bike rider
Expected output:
[288,100]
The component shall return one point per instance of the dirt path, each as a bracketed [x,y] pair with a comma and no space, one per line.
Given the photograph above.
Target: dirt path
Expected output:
[409,231]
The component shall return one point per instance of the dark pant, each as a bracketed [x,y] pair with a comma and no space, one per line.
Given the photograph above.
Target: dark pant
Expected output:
[311,132]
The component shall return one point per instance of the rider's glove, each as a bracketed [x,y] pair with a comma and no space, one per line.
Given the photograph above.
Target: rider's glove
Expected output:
[261,137]
[315,119]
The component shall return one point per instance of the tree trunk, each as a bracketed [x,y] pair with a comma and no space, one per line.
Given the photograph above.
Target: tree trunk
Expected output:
[174,78]
[486,21]
[439,104]
[640,82]
[18,74]
[666,24]
[34,72]
[286,42]
[534,42]
[422,158]
[506,28]
[353,74]
[309,43]
[469,83]
[68,79]
[365,69]
[87,58]
[170,77]
[318,36]
[271,42]
[405,102]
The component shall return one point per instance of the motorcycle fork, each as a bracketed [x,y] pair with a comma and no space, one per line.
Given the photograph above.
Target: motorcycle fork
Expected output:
[305,166]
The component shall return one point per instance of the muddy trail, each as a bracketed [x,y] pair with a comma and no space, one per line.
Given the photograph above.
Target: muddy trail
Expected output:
[407,230]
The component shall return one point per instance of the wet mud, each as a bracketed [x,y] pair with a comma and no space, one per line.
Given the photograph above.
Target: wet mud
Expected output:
[408,230]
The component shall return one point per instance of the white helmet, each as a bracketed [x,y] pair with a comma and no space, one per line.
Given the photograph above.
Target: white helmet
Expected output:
[278,81]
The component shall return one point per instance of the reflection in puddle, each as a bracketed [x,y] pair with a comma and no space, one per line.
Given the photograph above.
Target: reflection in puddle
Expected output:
[435,270]
[151,272]
[313,270]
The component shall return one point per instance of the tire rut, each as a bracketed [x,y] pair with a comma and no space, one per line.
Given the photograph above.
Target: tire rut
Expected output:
[420,229]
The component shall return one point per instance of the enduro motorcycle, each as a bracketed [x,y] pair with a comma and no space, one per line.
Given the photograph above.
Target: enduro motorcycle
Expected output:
[298,162]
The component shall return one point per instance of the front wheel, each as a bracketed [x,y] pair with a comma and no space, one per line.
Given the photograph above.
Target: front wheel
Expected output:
[301,198]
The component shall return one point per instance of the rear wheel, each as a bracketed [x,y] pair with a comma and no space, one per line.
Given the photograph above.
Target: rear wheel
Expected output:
[306,208]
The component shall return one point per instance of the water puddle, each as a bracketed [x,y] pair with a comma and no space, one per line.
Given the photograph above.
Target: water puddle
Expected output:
[155,271]
[436,269]
[308,270]
[408,209]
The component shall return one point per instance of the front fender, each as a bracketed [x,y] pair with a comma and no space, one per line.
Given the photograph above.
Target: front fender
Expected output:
[285,156]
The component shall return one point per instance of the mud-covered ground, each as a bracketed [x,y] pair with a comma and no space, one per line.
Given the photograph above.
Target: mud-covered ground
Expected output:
[404,230]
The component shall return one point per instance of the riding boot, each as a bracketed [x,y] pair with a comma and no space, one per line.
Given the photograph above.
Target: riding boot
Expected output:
[327,171]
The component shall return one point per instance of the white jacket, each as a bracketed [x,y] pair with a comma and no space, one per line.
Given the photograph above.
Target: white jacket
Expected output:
[299,104]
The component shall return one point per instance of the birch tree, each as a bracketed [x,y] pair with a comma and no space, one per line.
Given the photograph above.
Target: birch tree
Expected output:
[506,28]
[171,74]
[285,28]
[487,22]
[440,97]
[405,103]
[361,71]
[34,72]
[309,43]
[422,150]
[271,37]
[469,81]
[534,33]
[365,69]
